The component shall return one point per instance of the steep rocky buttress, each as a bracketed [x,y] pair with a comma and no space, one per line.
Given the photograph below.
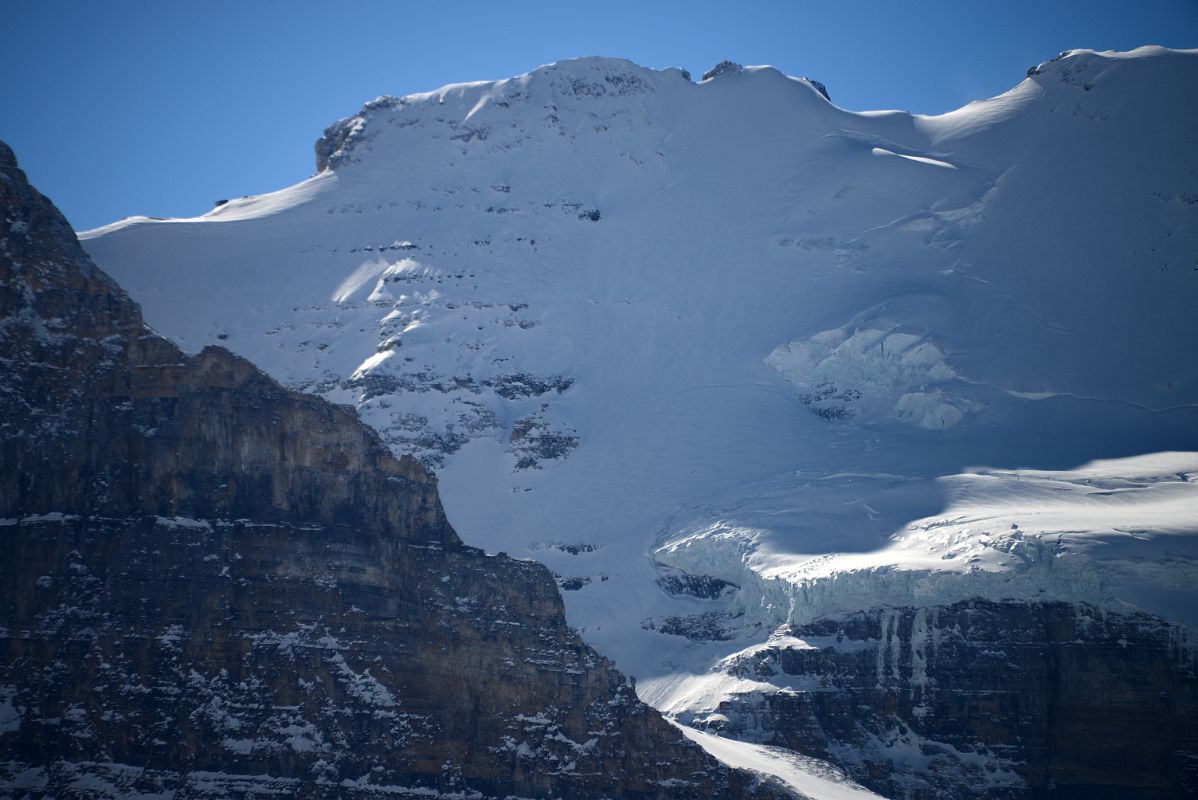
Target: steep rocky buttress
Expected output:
[213,586]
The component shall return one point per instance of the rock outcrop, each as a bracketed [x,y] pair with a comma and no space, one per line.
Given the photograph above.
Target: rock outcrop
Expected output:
[725,67]
[982,699]
[213,586]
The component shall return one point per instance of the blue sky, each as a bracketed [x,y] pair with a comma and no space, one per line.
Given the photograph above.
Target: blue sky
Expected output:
[160,108]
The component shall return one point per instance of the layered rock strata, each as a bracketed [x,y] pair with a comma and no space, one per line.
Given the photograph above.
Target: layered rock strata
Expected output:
[982,699]
[213,586]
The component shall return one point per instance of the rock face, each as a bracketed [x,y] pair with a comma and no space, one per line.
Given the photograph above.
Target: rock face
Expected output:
[725,67]
[103,417]
[983,699]
[213,586]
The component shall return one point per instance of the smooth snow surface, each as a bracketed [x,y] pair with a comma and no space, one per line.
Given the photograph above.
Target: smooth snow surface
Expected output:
[646,327]
[814,779]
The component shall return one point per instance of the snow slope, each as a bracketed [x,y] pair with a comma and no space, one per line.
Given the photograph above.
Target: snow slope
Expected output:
[812,778]
[645,326]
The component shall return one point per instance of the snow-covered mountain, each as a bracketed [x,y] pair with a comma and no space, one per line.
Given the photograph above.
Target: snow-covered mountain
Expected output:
[729,358]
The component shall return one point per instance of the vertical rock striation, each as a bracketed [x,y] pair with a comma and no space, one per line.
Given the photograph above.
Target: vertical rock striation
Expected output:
[983,699]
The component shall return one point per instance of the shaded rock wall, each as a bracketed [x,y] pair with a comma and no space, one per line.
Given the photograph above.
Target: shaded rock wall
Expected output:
[984,699]
[319,655]
[102,416]
[215,587]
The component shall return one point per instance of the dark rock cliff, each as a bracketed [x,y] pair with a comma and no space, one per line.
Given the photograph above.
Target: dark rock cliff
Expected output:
[983,700]
[213,586]
[101,416]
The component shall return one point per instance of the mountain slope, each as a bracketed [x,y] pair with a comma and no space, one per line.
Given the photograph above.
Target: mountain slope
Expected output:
[762,340]
[213,586]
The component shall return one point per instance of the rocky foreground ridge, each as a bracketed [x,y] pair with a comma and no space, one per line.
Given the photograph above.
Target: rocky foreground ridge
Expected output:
[213,586]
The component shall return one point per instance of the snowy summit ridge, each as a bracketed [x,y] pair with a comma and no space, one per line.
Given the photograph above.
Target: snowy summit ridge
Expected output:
[593,76]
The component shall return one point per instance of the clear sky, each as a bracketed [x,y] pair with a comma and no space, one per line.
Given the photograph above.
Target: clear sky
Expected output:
[159,108]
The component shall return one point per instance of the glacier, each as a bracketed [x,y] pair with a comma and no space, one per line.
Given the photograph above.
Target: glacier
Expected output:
[829,360]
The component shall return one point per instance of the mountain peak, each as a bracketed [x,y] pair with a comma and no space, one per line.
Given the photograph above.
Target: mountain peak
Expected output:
[725,67]
[560,99]
[589,77]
